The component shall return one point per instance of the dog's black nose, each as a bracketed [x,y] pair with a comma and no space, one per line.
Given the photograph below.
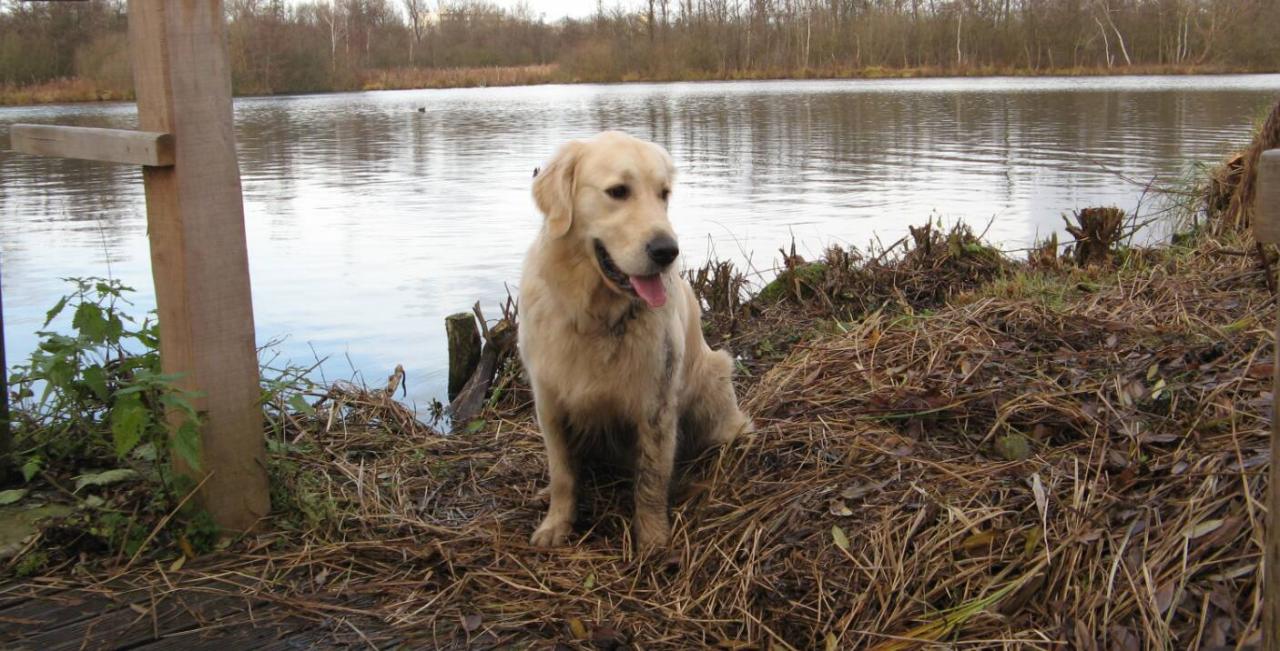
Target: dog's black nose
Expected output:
[662,250]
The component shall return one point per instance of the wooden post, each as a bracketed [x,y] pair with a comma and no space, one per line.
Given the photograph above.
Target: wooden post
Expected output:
[1266,228]
[195,219]
[199,259]
[464,349]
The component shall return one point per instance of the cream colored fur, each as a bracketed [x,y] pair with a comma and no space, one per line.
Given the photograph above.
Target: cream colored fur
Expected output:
[602,362]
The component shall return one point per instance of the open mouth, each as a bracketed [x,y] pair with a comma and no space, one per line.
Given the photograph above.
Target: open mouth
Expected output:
[611,270]
[649,288]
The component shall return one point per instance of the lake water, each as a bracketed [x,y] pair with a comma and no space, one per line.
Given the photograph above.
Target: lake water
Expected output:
[369,221]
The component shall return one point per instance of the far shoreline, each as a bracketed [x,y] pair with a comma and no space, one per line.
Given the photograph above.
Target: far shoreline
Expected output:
[83,91]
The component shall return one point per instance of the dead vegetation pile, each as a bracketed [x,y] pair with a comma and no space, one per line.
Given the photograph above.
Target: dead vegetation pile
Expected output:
[1080,465]
[920,271]
[1068,457]
[1233,184]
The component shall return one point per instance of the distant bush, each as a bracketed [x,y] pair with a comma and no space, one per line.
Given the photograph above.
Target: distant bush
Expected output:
[104,62]
[592,60]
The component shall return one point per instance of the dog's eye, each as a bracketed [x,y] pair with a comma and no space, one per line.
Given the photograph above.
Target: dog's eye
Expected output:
[666,194]
[619,192]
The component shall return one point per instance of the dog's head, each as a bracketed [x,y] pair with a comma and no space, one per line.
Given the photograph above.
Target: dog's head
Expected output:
[609,195]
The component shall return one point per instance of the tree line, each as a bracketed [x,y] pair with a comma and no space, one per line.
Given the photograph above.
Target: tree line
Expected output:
[320,45]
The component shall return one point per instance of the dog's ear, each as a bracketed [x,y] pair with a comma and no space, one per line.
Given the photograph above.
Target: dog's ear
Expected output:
[666,160]
[553,188]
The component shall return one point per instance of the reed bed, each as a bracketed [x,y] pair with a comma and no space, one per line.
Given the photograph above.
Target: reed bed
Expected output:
[58,91]
[1232,186]
[414,78]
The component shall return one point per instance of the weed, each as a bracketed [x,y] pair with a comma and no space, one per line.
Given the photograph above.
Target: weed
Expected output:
[31,563]
[98,393]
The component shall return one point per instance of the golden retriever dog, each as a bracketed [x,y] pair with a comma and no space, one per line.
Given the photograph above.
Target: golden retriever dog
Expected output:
[611,334]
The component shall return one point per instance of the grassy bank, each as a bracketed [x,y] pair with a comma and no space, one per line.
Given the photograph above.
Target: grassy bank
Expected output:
[954,445]
[60,91]
[881,72]
[84,90]
[415,78]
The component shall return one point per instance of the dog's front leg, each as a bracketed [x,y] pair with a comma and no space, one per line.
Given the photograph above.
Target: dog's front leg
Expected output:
[556,527]
[657,448]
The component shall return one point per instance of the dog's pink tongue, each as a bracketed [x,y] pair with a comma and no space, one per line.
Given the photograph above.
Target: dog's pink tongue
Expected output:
[651,289]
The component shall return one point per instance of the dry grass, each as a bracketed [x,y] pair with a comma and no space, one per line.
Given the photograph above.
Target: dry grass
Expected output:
[883,72]
[1098,458]
[920,271]
[1051,457]
[411,78]
[59,91]
[1229,196]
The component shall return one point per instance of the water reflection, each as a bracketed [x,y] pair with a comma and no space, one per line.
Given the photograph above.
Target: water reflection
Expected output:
[369,221]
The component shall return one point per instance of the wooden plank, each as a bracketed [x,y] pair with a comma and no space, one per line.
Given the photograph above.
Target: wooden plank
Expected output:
[48,612]
[1266,207]
[16,593]
[206,614]
[242,636]
[293,635]
[106,145]
[148,616]
[1266,228]
[199,258]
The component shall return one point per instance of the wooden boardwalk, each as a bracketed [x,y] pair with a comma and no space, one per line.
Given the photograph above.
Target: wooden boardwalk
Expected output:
[50,616]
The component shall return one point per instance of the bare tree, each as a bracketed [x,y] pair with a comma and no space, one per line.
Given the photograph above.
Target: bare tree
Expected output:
[331,14]
[417,11]
[283,45]
[1105,8]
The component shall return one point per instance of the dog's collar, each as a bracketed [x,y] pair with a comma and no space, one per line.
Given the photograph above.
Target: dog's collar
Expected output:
[612,320]
[618,328]
[604,311]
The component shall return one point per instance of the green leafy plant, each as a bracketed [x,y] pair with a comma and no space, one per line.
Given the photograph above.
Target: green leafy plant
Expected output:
[97,394]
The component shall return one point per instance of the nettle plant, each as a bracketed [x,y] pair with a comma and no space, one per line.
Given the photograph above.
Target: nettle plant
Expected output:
[98,392]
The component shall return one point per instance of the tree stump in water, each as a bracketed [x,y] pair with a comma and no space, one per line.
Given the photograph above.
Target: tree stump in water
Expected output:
[1097,231]
[464,349]
[501,342]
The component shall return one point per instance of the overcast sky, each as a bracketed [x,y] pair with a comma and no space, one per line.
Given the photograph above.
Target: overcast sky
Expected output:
[557,9]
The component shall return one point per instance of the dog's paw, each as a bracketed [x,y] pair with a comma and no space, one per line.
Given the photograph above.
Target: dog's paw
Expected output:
[552,533]
[731,429]
[652,533]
